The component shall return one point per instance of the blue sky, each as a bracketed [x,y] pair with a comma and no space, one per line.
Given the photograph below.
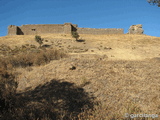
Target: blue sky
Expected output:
[85,13]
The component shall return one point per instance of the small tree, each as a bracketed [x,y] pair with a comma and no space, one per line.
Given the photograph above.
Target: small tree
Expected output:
[39,40]
[75,35]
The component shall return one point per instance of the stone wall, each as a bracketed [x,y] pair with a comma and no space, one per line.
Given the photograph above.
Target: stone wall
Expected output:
[66,28]
[100,31]
[12,30]
[41,29]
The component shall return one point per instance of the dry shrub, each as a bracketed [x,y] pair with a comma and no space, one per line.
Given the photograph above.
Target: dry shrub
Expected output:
[23,60]
[8,87]
[29,56]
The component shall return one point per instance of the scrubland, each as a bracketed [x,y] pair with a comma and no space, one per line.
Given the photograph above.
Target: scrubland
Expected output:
[99,77]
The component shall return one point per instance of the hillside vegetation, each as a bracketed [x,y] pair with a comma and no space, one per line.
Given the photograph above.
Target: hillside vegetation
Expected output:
[115,46]
[97,77]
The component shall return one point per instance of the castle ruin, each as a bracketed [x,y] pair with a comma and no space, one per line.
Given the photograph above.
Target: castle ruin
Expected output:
[65,28]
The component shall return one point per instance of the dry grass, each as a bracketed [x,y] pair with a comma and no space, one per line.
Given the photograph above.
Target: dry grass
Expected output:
[120,86]
[111,39]
[19,40]
[8,86]
[28,56]
[124,47]
[126,83]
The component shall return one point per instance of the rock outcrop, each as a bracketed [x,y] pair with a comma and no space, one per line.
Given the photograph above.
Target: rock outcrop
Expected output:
[136,29]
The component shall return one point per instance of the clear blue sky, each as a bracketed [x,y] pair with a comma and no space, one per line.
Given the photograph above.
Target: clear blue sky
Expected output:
[85,13]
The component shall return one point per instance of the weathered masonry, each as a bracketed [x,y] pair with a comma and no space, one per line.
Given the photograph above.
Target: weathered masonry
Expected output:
[65,28]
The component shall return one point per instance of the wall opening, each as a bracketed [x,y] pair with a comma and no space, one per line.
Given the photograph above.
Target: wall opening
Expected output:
[33,29]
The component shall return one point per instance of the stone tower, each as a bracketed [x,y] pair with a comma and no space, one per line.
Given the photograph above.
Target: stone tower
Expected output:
[67,28]
[12,30]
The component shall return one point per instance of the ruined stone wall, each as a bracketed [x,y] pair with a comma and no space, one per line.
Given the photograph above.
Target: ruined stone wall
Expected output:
[12,30]
[99,31]
[66,28]
[41,29]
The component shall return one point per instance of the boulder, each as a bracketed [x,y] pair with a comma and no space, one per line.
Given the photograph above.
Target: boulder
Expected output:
[136,29]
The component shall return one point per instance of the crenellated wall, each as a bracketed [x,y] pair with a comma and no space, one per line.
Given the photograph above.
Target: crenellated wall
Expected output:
[66,28]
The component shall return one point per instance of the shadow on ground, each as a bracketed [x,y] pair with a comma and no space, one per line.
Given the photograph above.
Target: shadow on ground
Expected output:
[52,101]
[80,40]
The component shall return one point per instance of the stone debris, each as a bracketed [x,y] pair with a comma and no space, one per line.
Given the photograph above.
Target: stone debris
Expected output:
[136,29]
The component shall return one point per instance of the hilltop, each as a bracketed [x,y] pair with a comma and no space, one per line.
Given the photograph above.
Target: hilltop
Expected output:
[128,47]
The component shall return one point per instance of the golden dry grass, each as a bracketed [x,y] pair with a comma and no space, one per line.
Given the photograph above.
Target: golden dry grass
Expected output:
[120,86]
[109,39]
[18,40]
[127,46]
[124,79]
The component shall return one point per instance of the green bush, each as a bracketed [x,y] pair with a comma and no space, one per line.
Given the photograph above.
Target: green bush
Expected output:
[39,40]
[75,35]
